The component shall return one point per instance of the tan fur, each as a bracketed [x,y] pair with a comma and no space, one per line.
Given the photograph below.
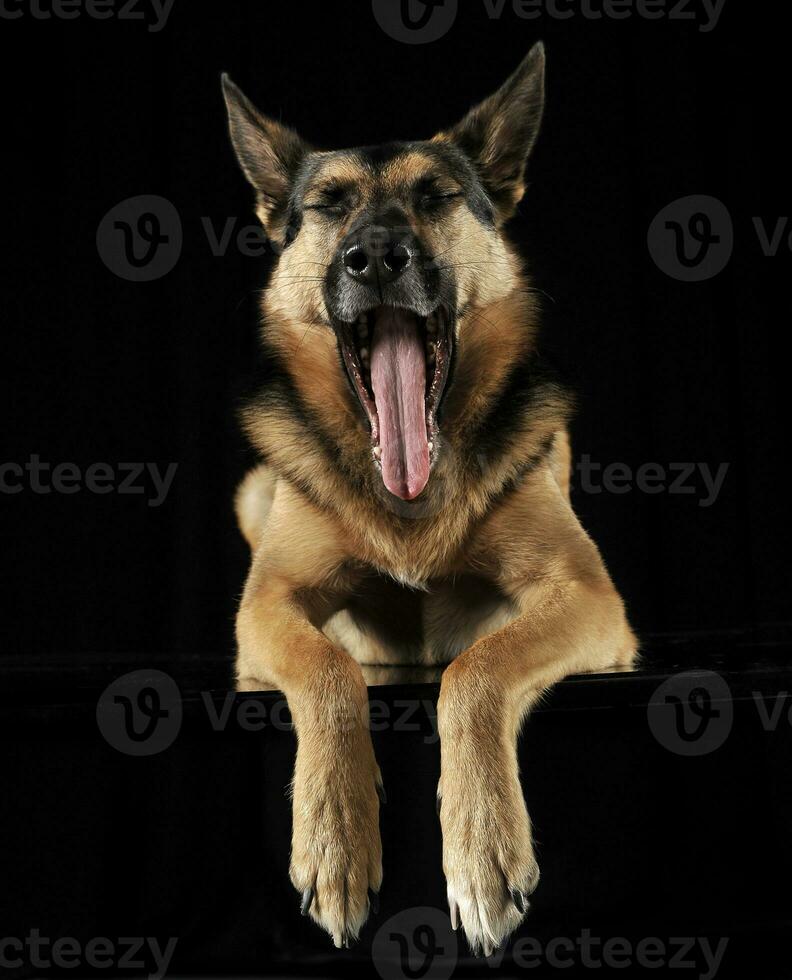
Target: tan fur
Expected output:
[253,502]
[559,615]
[488,573]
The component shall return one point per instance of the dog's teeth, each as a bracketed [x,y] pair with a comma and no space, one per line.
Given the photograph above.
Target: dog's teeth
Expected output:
[431,446]
[364,356]
[377,452]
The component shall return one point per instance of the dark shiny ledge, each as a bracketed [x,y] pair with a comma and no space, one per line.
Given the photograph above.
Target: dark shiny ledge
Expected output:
[750,660]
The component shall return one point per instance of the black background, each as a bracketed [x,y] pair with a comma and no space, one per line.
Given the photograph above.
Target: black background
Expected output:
[98,369]
[193,842]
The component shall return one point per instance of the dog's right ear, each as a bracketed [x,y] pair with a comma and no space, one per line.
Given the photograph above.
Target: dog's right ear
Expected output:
[499,133]
[269,154]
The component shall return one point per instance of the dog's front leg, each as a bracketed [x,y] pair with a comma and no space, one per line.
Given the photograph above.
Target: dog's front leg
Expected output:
[295,580]
[570,620]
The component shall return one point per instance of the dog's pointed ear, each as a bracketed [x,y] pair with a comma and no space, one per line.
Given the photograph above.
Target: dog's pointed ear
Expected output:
[268,152]
[499,134]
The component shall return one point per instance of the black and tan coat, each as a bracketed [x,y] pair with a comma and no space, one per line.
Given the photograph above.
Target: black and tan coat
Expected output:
[447,542]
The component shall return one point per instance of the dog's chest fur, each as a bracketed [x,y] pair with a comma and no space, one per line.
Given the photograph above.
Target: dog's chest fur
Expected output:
[386,622]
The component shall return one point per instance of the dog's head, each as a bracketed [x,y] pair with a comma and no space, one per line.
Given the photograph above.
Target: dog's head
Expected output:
[392,247]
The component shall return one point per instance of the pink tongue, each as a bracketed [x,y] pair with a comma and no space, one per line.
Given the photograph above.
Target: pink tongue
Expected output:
[398,380]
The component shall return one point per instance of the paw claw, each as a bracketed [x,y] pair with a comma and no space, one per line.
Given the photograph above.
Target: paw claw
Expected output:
[489,864]
[383,796]
[336,848]
[520,900]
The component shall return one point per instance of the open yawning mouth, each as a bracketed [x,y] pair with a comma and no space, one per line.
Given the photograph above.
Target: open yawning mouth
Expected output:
[398,363]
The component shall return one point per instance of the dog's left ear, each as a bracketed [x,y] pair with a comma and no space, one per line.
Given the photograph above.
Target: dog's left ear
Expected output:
[499,134]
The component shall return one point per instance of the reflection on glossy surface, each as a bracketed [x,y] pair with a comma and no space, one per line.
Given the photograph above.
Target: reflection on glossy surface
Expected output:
[751,660]
[376,676]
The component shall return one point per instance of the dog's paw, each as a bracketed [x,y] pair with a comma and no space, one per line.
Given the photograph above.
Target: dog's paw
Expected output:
[336,861]
[488,858]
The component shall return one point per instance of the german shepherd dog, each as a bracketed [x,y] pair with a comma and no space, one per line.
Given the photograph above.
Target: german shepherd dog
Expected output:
[413,503]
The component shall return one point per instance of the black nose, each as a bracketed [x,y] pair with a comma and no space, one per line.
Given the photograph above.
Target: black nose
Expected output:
[380,255]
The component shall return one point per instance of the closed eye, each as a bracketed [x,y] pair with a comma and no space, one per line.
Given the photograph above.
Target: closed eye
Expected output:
[431,193]
[330,200]
[329,212]
[435,203]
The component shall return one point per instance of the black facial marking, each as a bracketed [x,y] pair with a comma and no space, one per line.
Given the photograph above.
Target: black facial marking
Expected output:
[294,219]
[307,170]
[271,390]
[457,165]
[376,157]
[528,467]
[532,384]
[450,160]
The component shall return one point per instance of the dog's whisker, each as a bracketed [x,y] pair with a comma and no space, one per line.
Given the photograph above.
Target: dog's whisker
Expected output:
[298,279]
[457,244]
[467,265]
[308,330]
[528,290]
